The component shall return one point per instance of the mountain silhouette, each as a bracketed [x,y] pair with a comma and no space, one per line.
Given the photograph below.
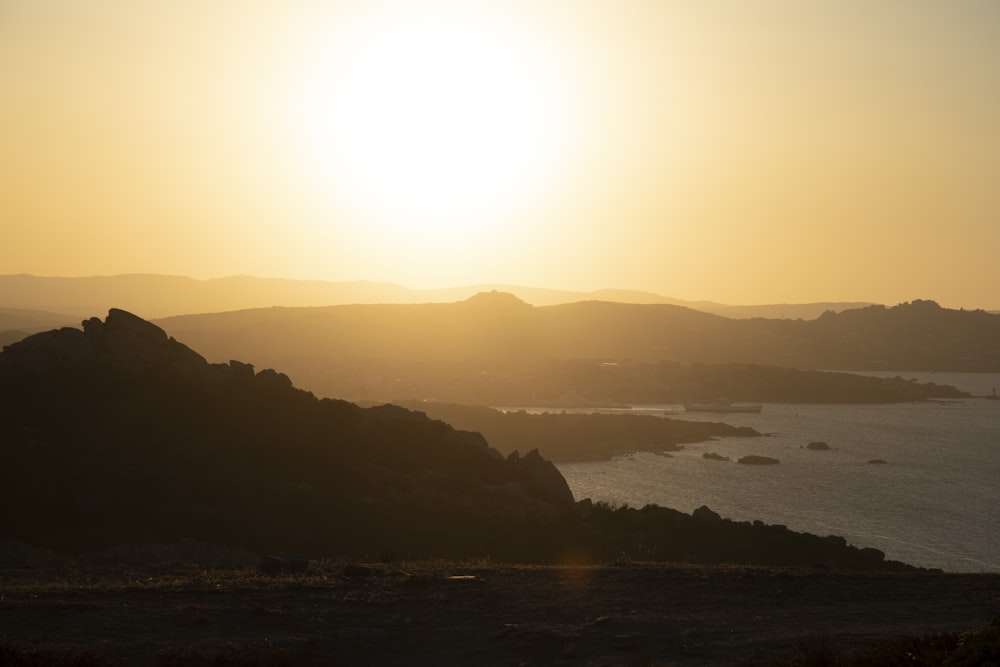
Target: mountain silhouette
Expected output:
[120,433]
[911,336]
[117,433]
[494,349]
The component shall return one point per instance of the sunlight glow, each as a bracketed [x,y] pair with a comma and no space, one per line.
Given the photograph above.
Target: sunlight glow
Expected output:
[699,150]
[438,125]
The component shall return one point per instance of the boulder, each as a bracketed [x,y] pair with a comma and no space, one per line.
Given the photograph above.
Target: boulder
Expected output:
[122,343]
[391,412]
[703,513]
[272,378]
[240,370]
[543,479]
[475,440]
[133,345]
[873,555]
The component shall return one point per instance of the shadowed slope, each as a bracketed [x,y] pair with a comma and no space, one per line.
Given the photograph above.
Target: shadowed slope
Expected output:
[119,433]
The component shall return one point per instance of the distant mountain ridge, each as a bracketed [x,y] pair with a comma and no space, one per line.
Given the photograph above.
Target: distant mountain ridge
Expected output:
[913,336]
[494,349]
[158,296]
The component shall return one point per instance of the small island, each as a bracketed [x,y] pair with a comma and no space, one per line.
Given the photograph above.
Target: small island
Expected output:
[754,459]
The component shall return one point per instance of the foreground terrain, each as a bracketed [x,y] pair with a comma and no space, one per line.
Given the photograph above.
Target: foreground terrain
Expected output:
[435,613]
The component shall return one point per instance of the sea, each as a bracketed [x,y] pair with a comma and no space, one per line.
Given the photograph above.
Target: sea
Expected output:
[932,499]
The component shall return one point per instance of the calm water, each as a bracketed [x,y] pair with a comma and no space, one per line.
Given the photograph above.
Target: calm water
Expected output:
[935,503]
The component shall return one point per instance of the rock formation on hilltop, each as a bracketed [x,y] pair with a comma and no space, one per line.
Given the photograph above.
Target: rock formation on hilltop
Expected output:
[123,342]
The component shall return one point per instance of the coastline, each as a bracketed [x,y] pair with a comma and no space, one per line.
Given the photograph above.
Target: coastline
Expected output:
[938,479]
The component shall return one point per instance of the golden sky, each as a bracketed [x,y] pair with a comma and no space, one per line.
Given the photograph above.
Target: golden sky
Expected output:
[741,152]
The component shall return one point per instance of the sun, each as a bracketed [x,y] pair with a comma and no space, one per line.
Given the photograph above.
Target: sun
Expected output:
[437,125]
[436,113]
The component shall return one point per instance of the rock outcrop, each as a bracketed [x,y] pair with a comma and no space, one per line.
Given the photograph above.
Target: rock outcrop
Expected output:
[543,479]
[122,344]
[118,433]
[704,513]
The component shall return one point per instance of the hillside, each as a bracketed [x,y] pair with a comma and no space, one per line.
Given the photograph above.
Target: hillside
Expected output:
[494,349]
[117,433]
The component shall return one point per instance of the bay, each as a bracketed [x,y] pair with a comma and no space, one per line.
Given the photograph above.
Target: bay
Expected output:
[933,502]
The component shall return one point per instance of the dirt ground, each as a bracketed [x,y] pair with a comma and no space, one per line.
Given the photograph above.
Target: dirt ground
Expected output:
[474,614]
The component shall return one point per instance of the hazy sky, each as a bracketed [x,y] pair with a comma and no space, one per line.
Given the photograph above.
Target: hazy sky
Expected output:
[742,152]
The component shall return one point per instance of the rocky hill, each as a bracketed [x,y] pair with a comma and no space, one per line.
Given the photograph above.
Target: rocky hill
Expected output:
[117,433]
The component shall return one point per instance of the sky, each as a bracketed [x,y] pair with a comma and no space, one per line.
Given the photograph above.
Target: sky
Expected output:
[774,151]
